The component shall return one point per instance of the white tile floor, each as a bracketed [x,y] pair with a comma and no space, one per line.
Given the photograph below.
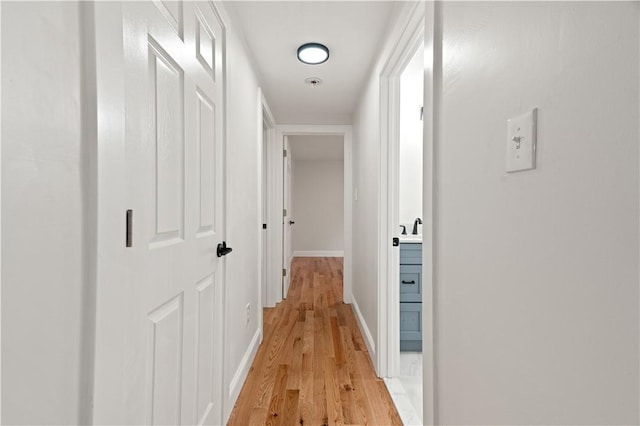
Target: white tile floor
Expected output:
[406,390]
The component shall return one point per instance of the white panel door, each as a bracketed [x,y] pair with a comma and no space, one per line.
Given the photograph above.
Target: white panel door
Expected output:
[287,218]
[167,355]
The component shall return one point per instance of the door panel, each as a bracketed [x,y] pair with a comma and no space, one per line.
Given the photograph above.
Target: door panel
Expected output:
[205,353]
[205,45]
[168,357]
[206,125]
[172,11]
[167,122]
[165,378]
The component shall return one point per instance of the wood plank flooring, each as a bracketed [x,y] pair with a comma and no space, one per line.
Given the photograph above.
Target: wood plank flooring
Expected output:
[313,367]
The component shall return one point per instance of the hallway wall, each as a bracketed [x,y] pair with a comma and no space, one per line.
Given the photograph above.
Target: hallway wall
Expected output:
[537,271]
[366,156]
[318,206]
[43,181]
[366,176]
[537,310]
[42,214]
[243,219]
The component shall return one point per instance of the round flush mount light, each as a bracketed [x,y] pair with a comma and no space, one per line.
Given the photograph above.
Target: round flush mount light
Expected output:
[313,53]
[313,81]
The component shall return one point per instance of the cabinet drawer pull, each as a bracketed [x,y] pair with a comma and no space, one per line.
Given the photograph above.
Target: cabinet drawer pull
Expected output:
[408,282]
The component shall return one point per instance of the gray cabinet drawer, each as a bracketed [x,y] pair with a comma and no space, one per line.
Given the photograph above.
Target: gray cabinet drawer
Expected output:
[410,254]
[411,283]
[410,326]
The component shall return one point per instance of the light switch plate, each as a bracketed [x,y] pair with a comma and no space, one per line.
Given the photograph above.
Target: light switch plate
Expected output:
[521,141]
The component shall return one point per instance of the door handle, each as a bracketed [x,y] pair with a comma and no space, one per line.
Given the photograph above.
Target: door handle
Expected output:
[291,222]
[408,282]
[223,250]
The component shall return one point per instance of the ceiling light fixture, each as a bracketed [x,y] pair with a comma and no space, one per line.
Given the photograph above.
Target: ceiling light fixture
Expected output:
[313,53]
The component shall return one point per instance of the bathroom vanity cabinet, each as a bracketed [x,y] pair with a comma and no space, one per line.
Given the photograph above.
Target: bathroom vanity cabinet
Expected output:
[411,297]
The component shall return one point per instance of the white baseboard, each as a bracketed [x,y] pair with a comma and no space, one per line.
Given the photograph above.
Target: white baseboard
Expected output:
[318,253]
[243,369]
[368,338]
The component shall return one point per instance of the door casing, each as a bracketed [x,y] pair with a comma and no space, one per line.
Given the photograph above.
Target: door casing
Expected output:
[424,25]
[276,191]
[267,138]
[286,217]
[412,38]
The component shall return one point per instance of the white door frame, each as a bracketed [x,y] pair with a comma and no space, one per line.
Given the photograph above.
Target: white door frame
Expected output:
[0,210]
[268,294]
[287,210]
[424,25]
[275,222]
[111,157]
[411,39]
[433,21]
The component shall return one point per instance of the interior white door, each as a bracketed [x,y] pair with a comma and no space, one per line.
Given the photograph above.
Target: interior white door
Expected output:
[168,355]
[287,218]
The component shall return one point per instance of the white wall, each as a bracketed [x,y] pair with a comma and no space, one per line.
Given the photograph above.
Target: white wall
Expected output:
[410,149]
[366,155]
[366,176]
[243,218]
[318,206]
[537,272]
[43,179]
[42,223]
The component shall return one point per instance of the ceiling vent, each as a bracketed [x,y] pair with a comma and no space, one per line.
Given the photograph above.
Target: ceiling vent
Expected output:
[313,81]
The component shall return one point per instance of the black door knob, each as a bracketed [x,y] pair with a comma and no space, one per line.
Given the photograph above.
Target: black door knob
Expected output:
[223,250]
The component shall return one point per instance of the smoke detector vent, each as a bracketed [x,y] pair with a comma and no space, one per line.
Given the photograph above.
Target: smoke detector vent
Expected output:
[313,81]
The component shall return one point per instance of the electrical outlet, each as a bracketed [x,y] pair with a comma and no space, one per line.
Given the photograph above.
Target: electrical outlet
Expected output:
[248,316]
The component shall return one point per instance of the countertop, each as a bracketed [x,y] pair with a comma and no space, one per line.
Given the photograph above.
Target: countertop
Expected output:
[411,239]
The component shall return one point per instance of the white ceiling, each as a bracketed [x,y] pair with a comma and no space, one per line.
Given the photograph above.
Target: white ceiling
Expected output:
[317,147]
[353,32]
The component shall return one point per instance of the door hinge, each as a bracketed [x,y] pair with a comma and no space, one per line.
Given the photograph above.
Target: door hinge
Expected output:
[284,272]
[284,212]
[129,229]
[284,152]
[264,226]
[395,241]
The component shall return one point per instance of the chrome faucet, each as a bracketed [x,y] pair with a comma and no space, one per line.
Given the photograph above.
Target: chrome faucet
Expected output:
[416,222]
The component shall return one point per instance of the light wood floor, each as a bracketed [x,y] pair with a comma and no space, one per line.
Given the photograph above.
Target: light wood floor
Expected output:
[313,367]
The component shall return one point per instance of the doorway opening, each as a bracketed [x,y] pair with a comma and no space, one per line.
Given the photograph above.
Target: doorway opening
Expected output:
[287,215]
[410,190]
[285,134]
[267,142]
[401,215]
[317,196]
[263,213]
